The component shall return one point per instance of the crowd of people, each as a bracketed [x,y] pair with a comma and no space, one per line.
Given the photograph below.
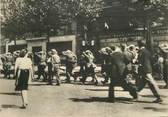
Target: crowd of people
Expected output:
[120,65]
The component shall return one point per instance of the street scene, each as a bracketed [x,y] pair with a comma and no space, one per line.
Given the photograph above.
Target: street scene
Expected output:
[86,58]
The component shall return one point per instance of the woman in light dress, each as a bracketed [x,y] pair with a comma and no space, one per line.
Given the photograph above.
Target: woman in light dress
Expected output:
[23,71]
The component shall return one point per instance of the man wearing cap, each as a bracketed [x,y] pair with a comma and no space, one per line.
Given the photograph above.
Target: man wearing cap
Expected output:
[144,60]
[56,65]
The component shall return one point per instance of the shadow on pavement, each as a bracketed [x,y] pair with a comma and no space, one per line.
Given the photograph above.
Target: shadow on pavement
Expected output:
[151,96]
[10,93]
[101,90]
[87,83]
[102,99]
[156,109]
[97,89]
[38,84]
[9,106]
[7,78]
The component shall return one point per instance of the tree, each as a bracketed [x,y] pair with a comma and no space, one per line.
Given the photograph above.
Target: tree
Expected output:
[12,25]
[149,14]
[86,13]
[39,17]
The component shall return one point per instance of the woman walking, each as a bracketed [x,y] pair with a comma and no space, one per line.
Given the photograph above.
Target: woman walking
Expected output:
[23,68]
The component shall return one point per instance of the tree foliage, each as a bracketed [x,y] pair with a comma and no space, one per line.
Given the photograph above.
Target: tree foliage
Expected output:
[143,11]
[40,17]
[13,25]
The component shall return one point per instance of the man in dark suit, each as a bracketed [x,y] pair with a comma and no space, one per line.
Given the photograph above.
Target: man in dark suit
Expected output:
[145,67]
[119,62]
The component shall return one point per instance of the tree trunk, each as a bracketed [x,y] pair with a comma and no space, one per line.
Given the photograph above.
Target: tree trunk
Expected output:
[149,39]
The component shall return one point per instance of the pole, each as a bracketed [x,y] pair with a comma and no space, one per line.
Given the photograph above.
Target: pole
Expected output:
[6,47]
[149,39]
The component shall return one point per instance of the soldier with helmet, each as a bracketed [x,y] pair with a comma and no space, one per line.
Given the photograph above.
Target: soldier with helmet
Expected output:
[55,59]
[89,67]
[70,63]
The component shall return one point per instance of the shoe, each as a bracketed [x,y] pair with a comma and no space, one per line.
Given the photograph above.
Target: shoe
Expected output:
[49,83]
[44,80]
[158,100]
[135,99]
[75,79]
[83,82]
[80,79]
[103,82]
[23,107]
[96,83]
[112,100]
[92,80]
[58,84]
[67,81]
[166,86]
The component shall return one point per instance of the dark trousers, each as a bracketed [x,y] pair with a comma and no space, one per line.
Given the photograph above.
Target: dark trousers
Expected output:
[50,78]
[7,71]
[89,71]
[128,86]
[56,73]
[69,73]
[165,74]
[41,72]
[50,75]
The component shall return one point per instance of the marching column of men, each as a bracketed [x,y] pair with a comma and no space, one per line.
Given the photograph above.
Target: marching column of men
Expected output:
[120,65]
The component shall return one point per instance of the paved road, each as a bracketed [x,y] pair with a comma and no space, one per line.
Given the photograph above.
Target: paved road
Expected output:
[76,100]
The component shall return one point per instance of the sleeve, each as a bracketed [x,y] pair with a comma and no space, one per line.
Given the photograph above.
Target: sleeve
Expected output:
[16,65]
[30,62]
[127,59]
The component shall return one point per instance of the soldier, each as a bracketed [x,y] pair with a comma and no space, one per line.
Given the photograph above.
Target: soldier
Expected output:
[70,64]
[56,65]
[41,65]
[82,64]
[106,62]
[90,67]
[50,68]
[8,65]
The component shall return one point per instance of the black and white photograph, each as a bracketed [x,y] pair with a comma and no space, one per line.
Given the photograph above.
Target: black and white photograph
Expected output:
[83,58]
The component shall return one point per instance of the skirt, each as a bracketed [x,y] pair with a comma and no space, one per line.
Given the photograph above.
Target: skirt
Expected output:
[22,83]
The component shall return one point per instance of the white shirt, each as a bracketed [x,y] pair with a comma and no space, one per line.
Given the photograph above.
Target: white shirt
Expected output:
[23,63]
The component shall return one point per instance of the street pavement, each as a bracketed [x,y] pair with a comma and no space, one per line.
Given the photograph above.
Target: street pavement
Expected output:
[77,100]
